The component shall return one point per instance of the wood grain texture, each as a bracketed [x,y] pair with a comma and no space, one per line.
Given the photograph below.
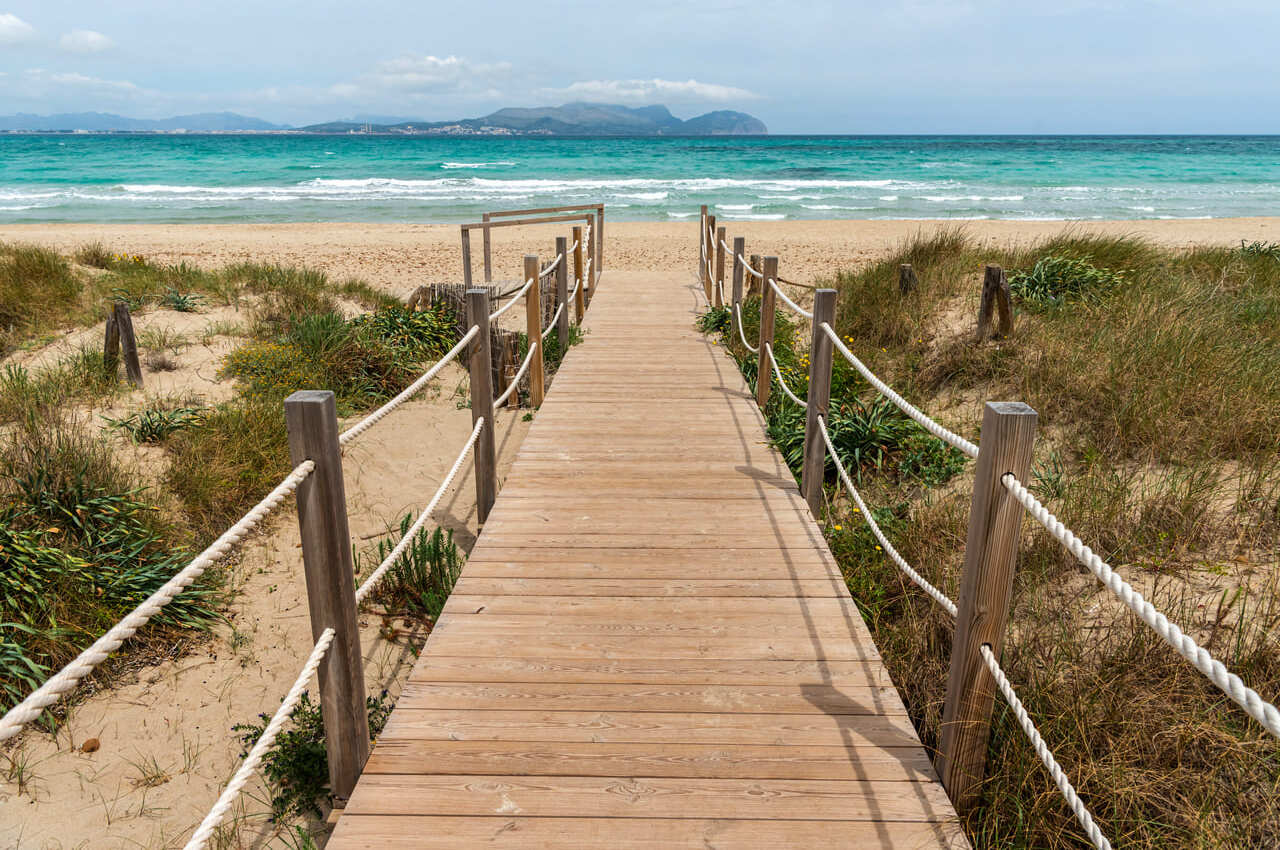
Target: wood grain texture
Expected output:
[650,645]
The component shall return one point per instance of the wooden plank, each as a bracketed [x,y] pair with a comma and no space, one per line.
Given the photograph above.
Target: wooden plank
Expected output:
[520,222]
[438,667]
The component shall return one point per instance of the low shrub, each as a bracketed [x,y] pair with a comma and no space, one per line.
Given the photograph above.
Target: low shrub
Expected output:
[1057,278]
[155,425]
[421,579]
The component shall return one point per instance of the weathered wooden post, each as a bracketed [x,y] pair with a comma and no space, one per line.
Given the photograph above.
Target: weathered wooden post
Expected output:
[312,422]
[990,553]
[111,344]
[720,236]
[600,240]
[562,293]
[580,295]
[995,294]
[533,327]
[764,376]
[466,255]
[702,251]
[709,261]
[907,280]
[128,342]
[739,244]
[821,351]
[488,255]
[589,280]
[480,365]
[754,283]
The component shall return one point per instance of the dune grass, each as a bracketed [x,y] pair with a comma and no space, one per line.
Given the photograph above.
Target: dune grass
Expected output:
[1156,373]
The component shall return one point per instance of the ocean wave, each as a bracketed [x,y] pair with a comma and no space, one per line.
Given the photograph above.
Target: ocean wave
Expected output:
[833,207]
[496,164]
[756,217]
[646,196]
[735,207]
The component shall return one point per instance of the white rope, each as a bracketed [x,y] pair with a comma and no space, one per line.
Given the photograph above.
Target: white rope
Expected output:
[1046,755]
[515,382]
[1232,685]
[905,406]
[773,361]
[65,680]
[737,308]
[514,298]
[921,582]
[552,324]
[406,539]
[777,290]
[408,392]
[572,247]
[573,293]
[264,743]
[753,272]
[549,269]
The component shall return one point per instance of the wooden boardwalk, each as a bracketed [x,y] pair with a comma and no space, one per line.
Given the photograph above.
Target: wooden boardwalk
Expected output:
[650,645]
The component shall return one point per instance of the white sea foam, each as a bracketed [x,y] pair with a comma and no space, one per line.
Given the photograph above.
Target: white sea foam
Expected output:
[735,207]
[496,164]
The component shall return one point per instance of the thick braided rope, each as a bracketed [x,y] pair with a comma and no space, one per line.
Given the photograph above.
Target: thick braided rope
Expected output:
[515,382]
[264,743]
[408,392]
[921,582]
[572,247]
[66,679]
[493,317]
[757,275]
[549,269]
[737,309]
[971,449]
[1231,684]
[407,538]
[773,361]
[1046,755]
[777,290]
[551,325]
[574,292]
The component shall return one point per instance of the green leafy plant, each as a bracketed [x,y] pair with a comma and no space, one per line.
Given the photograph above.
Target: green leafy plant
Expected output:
[183,302]
[865,435]
[929,460]
[156,425]
[297,768]
[1060,277]
[1260,249]
[421,579]
[715,320]
[421,333]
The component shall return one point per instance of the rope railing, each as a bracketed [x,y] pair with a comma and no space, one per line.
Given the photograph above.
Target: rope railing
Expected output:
[773,361]
[262,746]
[737,309]
[549,269]
[493,317]
[777,290]
[887,547]
[552,324]
[406,540]
[515,381]
[1267,715]
[747,267]
[1042,750]
[408,392]
[950,437]
[66,679]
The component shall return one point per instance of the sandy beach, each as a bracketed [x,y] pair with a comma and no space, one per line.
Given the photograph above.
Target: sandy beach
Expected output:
[401,256]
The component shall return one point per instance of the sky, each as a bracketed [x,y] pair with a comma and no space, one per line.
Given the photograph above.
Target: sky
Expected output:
[923,66]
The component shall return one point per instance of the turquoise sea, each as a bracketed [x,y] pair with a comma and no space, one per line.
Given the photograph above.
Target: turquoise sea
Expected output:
[211,178]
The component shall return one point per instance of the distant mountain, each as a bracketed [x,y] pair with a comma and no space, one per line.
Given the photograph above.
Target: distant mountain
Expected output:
[571,119]
[101,122]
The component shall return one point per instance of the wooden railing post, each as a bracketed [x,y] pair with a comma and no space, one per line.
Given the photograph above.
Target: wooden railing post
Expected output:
[709,262]
[480,365]
[592,259]
[600,240]
[764,374]
[488,255]
[562,293]
[821,351]
[466,255]
[739,244]
[312,422]
[990,552]
[533,327]
[580,296]
[703,247]
[754,283]
[720,235]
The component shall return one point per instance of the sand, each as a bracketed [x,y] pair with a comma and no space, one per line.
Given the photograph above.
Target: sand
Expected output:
[402,256]
[166,746]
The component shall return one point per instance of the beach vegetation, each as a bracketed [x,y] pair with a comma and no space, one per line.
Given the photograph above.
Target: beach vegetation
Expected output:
[419,582]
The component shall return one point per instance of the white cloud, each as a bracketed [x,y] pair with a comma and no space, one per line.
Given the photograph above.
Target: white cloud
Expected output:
[70,80]
[651,91]
[85,41]
[435,75]
[14,30]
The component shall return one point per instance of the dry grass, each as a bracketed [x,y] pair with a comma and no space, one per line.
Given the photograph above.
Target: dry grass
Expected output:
[1159,401]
